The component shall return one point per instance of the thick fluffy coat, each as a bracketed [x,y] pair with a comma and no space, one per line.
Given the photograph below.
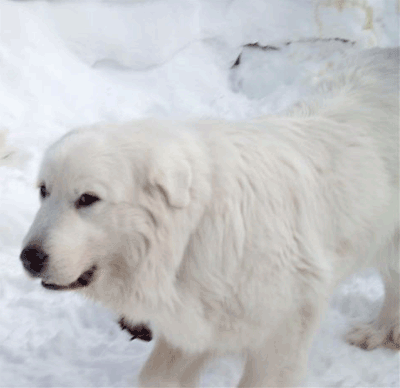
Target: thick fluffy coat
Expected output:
[230,236]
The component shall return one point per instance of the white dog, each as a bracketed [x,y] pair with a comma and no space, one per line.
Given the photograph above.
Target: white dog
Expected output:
[230,236]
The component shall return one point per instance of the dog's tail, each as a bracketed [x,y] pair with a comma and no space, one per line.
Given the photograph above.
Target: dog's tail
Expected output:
[362,92]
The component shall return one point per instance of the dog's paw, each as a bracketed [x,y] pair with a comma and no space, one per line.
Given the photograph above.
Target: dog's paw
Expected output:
[368,336]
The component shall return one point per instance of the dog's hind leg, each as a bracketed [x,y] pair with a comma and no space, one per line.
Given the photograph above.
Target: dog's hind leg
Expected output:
[385,329]
[171,367]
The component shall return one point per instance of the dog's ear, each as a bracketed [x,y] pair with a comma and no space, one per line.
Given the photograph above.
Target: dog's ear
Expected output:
[172,174]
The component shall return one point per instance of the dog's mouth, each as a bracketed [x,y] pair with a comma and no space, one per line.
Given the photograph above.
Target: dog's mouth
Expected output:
[83,281]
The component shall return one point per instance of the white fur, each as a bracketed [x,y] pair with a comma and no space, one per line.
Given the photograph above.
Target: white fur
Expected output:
[230,236]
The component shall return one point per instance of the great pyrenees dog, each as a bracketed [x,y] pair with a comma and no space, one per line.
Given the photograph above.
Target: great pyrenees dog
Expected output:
[230,236]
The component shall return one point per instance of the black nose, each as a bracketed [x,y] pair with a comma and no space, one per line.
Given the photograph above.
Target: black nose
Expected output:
[34,259]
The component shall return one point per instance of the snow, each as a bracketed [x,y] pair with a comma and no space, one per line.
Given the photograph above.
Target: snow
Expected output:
[70,63]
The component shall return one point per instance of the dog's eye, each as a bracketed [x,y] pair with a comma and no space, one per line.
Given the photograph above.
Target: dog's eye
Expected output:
[86,200]
[43,191]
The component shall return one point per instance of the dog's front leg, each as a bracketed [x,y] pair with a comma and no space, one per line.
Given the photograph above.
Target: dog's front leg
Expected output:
[281,360]
[171,368]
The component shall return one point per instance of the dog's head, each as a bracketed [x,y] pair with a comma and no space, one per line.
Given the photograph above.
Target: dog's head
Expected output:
[117,209]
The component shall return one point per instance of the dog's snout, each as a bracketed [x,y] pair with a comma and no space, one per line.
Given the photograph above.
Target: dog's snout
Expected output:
[34,259]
